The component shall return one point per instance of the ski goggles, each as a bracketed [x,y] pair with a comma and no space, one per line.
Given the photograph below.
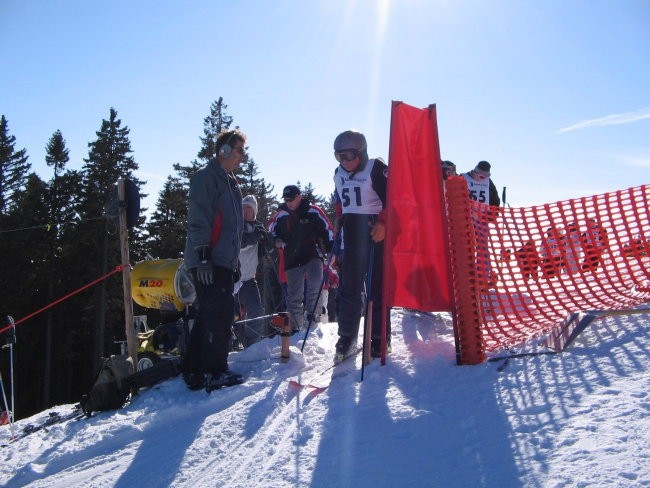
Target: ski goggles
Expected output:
[346,155]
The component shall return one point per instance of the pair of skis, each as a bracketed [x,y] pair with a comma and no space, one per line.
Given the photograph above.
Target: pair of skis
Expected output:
[53,418]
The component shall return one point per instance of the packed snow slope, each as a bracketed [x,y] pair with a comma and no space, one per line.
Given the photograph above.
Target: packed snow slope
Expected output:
[579,418]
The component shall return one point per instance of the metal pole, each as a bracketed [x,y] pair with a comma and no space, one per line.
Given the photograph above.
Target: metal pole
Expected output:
[11,340]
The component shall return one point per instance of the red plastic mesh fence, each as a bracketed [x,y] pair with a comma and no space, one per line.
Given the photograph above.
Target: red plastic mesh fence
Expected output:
[519,272]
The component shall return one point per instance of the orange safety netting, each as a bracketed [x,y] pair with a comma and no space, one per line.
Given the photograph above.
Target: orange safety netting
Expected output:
[519,272]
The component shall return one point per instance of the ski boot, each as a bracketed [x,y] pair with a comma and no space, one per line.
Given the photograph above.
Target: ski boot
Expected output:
[345,347]
[227,378]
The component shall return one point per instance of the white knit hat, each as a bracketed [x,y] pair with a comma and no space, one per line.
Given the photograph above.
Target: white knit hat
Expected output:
[251,201]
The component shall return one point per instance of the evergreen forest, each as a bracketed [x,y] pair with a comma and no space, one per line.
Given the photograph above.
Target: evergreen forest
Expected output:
[59,234]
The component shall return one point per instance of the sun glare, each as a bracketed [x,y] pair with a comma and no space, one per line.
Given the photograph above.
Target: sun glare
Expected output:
[383,10]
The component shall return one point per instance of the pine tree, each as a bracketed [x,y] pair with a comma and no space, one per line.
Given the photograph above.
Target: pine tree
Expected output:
[63,187]
[62,191]
[313,197]
[57,154]
[185,173]
[166,231]
[218,121]
[56,157]
[252,185]
[24,261]
[14,168]
[329,207]
[109,158]
[167,227]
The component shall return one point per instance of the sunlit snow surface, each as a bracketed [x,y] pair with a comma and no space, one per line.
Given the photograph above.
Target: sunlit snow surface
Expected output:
[579,418]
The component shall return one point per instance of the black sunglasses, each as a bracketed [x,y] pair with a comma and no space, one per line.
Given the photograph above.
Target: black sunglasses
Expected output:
[346,155]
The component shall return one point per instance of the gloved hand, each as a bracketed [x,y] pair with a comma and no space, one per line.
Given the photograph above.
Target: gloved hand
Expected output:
[204,271]
[378,232]
[261,233]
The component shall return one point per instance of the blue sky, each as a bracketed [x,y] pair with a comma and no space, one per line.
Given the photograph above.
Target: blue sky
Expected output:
[554,94]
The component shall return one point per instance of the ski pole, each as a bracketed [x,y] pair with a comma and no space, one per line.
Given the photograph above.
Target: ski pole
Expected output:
[8,412]
[261,317]
[367,318]
[11,340]
[322,284]
[244,322]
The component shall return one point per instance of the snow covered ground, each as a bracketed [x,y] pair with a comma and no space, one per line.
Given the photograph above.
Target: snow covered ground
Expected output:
[580,418]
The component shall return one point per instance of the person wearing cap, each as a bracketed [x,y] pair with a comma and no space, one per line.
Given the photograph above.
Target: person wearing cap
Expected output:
[253,249]
[214,228]
[480,185]
[306,236]
[360,202]
[482,189]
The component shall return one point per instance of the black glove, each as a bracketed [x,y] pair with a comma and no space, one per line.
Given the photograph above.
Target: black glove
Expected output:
[262,234]
[204,271]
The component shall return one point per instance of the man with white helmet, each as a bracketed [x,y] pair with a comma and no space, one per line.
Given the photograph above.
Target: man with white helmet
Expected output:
[360,202]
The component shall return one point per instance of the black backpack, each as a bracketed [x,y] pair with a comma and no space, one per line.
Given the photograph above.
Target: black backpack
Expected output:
[112,386]
[116,382]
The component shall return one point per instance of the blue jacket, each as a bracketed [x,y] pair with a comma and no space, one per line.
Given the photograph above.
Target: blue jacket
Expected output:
[214,217]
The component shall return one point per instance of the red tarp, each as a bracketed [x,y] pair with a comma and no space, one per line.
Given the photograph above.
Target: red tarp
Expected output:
[416,270]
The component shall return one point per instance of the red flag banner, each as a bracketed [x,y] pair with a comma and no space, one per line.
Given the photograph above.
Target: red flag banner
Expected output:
[416,269]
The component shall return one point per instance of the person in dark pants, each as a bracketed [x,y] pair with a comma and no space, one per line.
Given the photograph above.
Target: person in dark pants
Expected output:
[214,229]
[360,201]
[305,234]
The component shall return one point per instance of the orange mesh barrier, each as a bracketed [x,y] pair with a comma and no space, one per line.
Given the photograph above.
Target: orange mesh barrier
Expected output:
[519,272]
[465,284]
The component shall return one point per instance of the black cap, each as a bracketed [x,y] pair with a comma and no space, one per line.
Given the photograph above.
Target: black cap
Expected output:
[290,191]
[483,167]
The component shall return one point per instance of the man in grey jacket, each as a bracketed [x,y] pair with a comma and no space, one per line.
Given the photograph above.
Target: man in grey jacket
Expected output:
[214,228]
